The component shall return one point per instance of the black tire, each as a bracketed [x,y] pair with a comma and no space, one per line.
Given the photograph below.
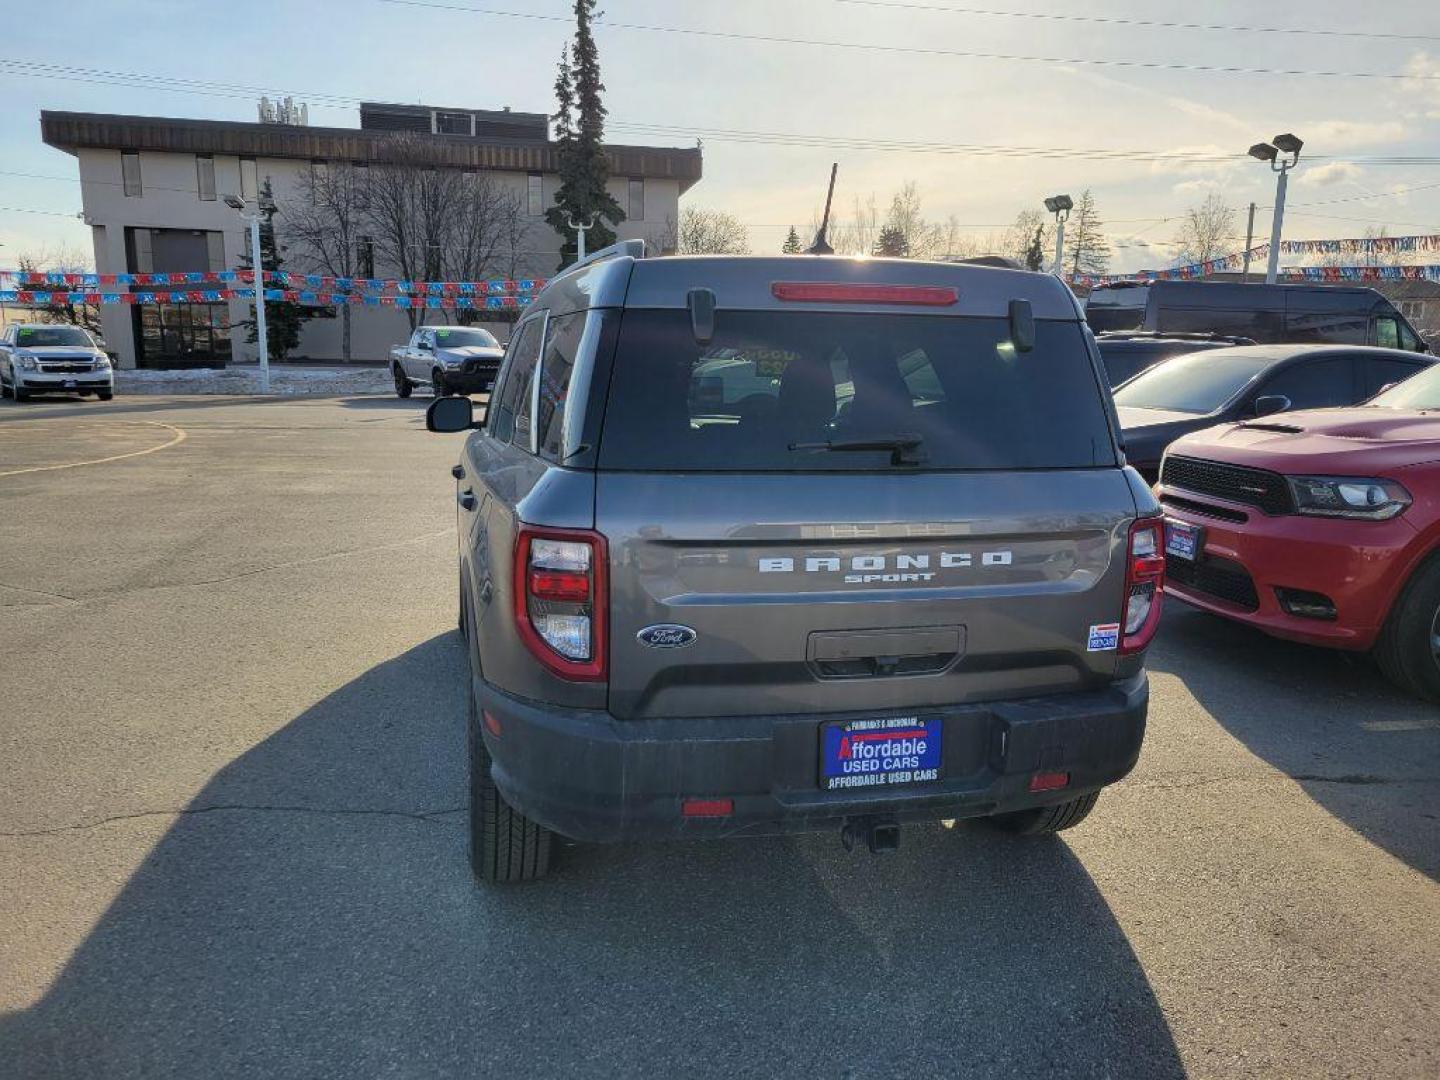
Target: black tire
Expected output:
[4,390]
[505,845]
[1408,651]
[20,394]
[402,384]
[437,380]
[105,395]
[1043,820]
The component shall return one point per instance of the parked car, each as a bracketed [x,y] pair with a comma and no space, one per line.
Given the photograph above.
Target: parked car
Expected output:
[1128,352]
[1198,390]
[1321,527]
[1282,313]
[45,358]
[1117,306]
[855,548]
[450,359]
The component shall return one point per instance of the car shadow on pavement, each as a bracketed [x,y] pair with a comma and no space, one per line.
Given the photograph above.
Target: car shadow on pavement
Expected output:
[1360,748]
[312,914]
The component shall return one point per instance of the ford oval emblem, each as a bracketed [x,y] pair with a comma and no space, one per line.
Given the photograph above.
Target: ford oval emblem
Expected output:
[666,636]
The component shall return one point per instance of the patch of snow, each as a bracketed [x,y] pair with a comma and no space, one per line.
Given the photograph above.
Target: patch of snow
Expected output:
[333,381]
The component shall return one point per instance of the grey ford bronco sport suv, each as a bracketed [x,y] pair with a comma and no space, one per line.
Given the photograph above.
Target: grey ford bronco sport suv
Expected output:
[761,544]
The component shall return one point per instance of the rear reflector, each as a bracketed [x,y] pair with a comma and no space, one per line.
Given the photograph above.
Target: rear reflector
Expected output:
[561,585]
[1049,781]
[832,292]
[492,724]
[707,807]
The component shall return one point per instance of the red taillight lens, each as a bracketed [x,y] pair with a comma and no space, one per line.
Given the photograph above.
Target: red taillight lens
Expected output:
[1049,781]
[839,292]
[1144,582]
[567,588]
[560,599]
[707,807]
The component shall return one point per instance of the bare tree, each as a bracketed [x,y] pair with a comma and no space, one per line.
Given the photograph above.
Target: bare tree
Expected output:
[325,226]
[62,260]
[711,232]
[1021,236]
[1205,231]
[486,223]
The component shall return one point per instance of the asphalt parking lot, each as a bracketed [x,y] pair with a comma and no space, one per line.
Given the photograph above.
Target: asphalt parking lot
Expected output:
[232,824]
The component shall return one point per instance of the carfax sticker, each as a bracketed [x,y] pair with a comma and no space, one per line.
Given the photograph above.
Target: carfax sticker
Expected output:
[1104,637]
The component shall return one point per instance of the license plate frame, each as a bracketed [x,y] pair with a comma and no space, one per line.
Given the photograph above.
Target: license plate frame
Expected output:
[1183,540]
[881,752]
[70,384]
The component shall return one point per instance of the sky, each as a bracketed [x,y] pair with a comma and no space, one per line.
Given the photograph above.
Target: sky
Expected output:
[773,114]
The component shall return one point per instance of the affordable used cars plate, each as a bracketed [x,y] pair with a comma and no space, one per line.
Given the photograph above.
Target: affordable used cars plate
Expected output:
[1182,540]
[879,753]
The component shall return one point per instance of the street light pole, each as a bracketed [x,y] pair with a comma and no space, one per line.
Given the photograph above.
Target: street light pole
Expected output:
[261,337]
[1289,145]
[580,234]
[257,270]
[1060,206]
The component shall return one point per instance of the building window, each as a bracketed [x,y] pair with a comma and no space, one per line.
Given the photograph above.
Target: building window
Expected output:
[365,257]
[362,185]
[130,170]
[537,195]
[452,123]
[637,200]
[249,178]
[205,177]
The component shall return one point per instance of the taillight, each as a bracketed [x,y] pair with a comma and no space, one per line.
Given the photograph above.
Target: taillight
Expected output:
[560,599]
[1144,581]
[843,292]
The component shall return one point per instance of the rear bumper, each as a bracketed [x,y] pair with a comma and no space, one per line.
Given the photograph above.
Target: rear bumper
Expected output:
[592,777]
[1358,565]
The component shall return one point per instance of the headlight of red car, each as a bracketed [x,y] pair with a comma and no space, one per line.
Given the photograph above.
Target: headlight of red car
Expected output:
[1348,497]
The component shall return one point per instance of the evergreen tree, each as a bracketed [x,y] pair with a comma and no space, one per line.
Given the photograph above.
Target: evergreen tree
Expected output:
[580,131]
[892,243]
[1035,253]
[282,317]
[1089,250]
[792,243]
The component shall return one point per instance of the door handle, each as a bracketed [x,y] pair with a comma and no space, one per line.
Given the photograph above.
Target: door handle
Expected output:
[468,500]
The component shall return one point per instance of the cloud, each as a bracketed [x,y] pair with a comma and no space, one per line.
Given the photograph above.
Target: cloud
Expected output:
[1332,172]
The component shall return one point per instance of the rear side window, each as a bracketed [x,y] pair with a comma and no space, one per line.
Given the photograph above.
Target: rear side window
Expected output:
[769,382]
[557,364]
[1376,374]
[1320,384]
[1339,327]
[511,419]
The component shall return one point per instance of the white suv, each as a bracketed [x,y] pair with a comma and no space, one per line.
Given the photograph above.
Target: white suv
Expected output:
[43,358]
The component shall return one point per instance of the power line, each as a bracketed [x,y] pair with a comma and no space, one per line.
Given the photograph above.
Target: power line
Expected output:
[1154,24]
[913,50]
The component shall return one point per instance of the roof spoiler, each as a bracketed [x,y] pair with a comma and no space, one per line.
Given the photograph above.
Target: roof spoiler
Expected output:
[633,248]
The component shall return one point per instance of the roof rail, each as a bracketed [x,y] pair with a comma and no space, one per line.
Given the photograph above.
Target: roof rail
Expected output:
[633,248]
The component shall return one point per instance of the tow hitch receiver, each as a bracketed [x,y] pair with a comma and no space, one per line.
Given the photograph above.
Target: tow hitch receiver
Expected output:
[881,834]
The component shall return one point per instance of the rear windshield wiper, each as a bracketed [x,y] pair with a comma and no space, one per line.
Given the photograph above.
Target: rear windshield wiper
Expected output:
[904,448]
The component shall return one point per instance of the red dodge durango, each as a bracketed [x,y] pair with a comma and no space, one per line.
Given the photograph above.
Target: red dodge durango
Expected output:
[1321,526]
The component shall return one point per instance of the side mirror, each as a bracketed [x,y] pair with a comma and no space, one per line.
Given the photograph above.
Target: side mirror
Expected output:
[1271,403]
[447,415]
[1022,325]
[701,303]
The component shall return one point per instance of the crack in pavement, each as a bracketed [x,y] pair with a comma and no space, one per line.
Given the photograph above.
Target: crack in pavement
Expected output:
[431,817]
[1359,779]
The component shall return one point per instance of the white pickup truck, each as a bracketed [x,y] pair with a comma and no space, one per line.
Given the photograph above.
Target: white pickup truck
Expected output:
[449,359]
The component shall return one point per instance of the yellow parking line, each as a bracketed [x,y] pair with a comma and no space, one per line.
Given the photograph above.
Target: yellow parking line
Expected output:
[179,438]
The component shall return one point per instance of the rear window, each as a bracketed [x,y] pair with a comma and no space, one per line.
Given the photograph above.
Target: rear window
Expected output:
[768,381]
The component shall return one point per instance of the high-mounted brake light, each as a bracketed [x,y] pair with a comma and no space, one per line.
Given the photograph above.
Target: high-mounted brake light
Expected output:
[1144,583]
[561,598]
[839,292]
